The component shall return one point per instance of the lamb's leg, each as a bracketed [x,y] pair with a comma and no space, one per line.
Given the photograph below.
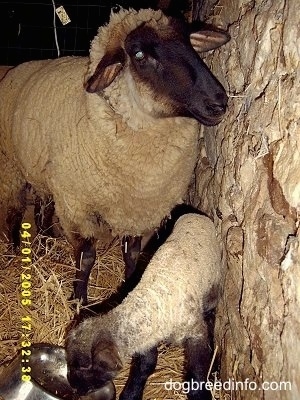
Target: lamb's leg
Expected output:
[131,248]
[198,357]
[142,366]
[85,255]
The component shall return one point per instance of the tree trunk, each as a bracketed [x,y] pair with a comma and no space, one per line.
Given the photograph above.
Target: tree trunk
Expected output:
[248,179]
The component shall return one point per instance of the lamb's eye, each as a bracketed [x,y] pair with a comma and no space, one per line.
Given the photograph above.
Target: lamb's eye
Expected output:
[139,55]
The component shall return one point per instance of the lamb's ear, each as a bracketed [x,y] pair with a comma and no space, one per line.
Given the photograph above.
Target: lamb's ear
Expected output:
[106,356]
[205,40]
[107,69]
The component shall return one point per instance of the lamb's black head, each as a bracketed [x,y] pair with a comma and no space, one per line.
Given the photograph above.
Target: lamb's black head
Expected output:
[164,60]
[92,364]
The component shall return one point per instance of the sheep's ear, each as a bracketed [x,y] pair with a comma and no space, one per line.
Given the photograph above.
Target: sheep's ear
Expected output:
[107,69]
[106,356]
[205,40]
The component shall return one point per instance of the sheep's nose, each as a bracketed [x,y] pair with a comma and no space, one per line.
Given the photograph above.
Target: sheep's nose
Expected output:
[218,105]
[216,109]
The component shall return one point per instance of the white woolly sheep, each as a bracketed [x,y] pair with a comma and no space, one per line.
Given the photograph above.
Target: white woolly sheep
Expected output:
[112,138]
[178,288]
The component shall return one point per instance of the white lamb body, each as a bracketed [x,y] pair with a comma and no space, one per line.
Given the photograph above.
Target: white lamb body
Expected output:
[169,301]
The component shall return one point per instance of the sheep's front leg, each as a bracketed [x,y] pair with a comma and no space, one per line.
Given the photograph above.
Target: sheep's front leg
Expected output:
[131,248]
[14,222]
[85,255]
[14,214]
[142,366]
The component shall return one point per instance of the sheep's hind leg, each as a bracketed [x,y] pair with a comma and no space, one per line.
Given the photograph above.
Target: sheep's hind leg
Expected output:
[142,366]
[85,256]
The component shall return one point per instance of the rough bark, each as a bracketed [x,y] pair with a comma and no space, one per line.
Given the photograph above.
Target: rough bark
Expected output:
[248,178]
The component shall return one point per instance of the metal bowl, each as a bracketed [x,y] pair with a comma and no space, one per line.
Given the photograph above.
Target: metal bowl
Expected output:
[48,378]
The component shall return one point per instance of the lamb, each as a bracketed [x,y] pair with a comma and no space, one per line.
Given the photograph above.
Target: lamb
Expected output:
[178,288]
[109,139]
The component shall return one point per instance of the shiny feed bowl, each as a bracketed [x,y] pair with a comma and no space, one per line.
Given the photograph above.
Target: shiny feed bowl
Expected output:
[48,378]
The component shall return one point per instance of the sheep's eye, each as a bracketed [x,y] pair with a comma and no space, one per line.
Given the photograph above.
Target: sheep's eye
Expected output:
[139,55]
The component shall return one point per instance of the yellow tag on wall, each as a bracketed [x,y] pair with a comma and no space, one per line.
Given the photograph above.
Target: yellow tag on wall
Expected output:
[62,15]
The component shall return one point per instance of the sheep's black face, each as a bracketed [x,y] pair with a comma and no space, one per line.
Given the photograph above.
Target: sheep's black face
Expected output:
[181,82]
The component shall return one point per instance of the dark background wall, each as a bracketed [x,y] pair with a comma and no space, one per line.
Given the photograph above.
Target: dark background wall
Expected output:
[27,27]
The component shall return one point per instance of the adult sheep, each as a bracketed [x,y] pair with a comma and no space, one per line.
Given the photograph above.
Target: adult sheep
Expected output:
[112,138]
[178,288]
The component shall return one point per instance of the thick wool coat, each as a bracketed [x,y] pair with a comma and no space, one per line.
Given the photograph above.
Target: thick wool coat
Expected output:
[180,283]
[109,164]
